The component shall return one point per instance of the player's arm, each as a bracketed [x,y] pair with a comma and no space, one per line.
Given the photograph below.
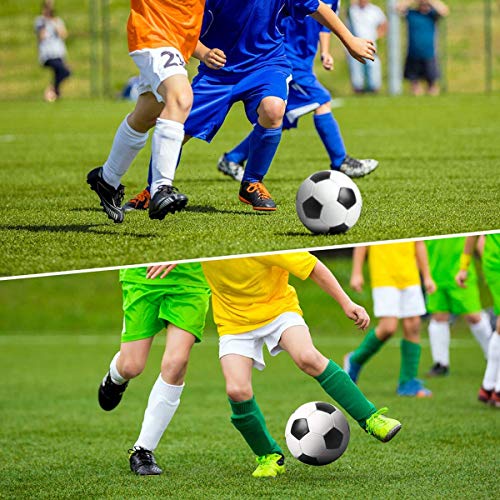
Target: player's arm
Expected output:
[359,48]
[423,266]
[213,58]
[440,7]
[324,50]
[382,29]
[358,259]
[465,261]
[324,278]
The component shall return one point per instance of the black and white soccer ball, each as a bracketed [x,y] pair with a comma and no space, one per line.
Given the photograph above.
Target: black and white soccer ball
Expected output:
[328,202]
[317,433]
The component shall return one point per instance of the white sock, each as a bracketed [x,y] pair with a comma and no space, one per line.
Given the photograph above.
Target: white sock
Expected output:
[162,404]
[439,337]
[491,373]
[113,371]
[166,147]
[482,331]
[126,144]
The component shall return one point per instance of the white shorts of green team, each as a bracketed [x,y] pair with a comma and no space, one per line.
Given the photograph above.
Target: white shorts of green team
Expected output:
[251,344]
[155,66]
[389,301]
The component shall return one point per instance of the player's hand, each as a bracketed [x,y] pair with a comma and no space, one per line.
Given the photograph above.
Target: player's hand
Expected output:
[361,49]
[357,282]
[461,278]
[215,59]
[161,270]
[430,286]
[327,61]
[358,315]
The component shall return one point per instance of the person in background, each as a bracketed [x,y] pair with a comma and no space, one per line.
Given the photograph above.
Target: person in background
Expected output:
[422,57]
[366,20]
[51,33]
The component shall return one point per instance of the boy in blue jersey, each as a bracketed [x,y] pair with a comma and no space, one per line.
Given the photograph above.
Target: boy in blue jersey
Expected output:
[252,67]
[306,94]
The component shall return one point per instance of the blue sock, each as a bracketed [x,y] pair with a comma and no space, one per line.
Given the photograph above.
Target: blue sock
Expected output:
[239,154]
[263,143]
[150,170]
[329,131]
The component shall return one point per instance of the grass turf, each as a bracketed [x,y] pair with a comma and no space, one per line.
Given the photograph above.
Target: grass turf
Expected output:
[59,334]
[437,175]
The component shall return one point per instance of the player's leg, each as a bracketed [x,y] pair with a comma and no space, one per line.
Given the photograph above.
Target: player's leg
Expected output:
[480,327]
[296,340]
[439,336]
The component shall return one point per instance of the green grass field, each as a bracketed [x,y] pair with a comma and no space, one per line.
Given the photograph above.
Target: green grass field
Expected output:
[59,334]
[437,175]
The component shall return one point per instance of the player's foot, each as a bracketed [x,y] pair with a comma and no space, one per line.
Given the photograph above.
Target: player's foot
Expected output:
[110,394]
[49,94]
[382,427]
[351,367]
[413,388]
[353,167]
[143,462]
[167,200]
[269,465]
[484,396]
[138,202]
[495,399]
[438,370]
[111,198]
[231,168]
[256,194]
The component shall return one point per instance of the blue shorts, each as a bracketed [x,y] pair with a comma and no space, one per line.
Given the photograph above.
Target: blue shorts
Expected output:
[214,96]
[305,95]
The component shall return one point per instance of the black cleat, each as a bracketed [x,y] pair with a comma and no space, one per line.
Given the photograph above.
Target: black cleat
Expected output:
[111,198]
[110,394]
[167,200]
[139,202]
[256,194]
[143,462]
[352,167]
[438,370]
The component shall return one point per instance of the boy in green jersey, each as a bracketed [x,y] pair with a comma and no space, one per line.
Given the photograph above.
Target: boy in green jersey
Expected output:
[490,388]
[178,303]
[449,298]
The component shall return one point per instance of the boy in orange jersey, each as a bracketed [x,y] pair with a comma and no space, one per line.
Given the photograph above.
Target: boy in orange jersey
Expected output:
[162,36]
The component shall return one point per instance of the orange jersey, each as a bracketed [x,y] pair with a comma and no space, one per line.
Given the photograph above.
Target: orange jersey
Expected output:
[165,23]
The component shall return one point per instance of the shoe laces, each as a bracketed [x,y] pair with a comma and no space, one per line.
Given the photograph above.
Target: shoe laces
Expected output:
[168,189]
[352,162]
[119,195]
[376,420]
[142,196]
[260,188]
[144,455]
[270,459]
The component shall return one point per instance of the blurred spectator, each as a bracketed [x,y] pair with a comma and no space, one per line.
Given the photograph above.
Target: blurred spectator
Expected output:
[51,33]
[366,21]
[422,58]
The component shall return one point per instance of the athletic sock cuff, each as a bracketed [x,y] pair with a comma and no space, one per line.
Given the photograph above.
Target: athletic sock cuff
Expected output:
[243,407]
[267,132]
[331,369]
[172,393]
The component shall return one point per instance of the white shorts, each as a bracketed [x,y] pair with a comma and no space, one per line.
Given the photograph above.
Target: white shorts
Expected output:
[250,344]
[389,301]
[155,66]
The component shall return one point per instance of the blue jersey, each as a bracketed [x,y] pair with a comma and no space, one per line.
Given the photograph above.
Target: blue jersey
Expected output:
[248,32]
[301,40]
[422,34]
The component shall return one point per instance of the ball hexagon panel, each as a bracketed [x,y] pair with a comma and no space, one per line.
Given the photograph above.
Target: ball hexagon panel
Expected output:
[326,192]
[312,444]
[293,445]
[320,422]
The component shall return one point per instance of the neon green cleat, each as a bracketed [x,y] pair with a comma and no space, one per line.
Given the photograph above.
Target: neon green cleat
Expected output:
[383,428]
[270,465]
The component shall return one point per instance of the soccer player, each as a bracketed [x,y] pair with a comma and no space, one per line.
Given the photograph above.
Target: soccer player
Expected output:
[490,388]
[397,294]
[178,303]
[253,304]
[162,35]
[254,69]
[449,298]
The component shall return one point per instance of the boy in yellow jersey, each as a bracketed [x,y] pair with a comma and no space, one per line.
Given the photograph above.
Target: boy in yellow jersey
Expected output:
[253,305]
[397,294]
[490,388]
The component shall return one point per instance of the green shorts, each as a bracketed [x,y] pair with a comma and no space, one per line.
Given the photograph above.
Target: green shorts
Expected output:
[455,300]
[149,309]
[492,277]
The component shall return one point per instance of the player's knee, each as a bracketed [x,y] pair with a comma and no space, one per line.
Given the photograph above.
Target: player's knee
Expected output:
[173,369]
[130,368]
[181,102]
[271,112]
[239,392]
[473,319]
[323,109]
[310,361]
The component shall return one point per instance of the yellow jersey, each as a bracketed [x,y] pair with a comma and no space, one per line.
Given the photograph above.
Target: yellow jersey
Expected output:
[393,264]
[248,293]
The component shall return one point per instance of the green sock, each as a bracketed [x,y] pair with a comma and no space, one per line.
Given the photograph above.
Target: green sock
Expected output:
[368,347]
[410,359]
[339,386]
[249,420]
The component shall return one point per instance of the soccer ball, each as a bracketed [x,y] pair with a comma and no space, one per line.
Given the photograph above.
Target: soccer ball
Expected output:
[317,433]
[328,202]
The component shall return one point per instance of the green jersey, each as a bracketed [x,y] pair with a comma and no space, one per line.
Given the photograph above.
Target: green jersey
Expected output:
[444,261]
[491,256]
